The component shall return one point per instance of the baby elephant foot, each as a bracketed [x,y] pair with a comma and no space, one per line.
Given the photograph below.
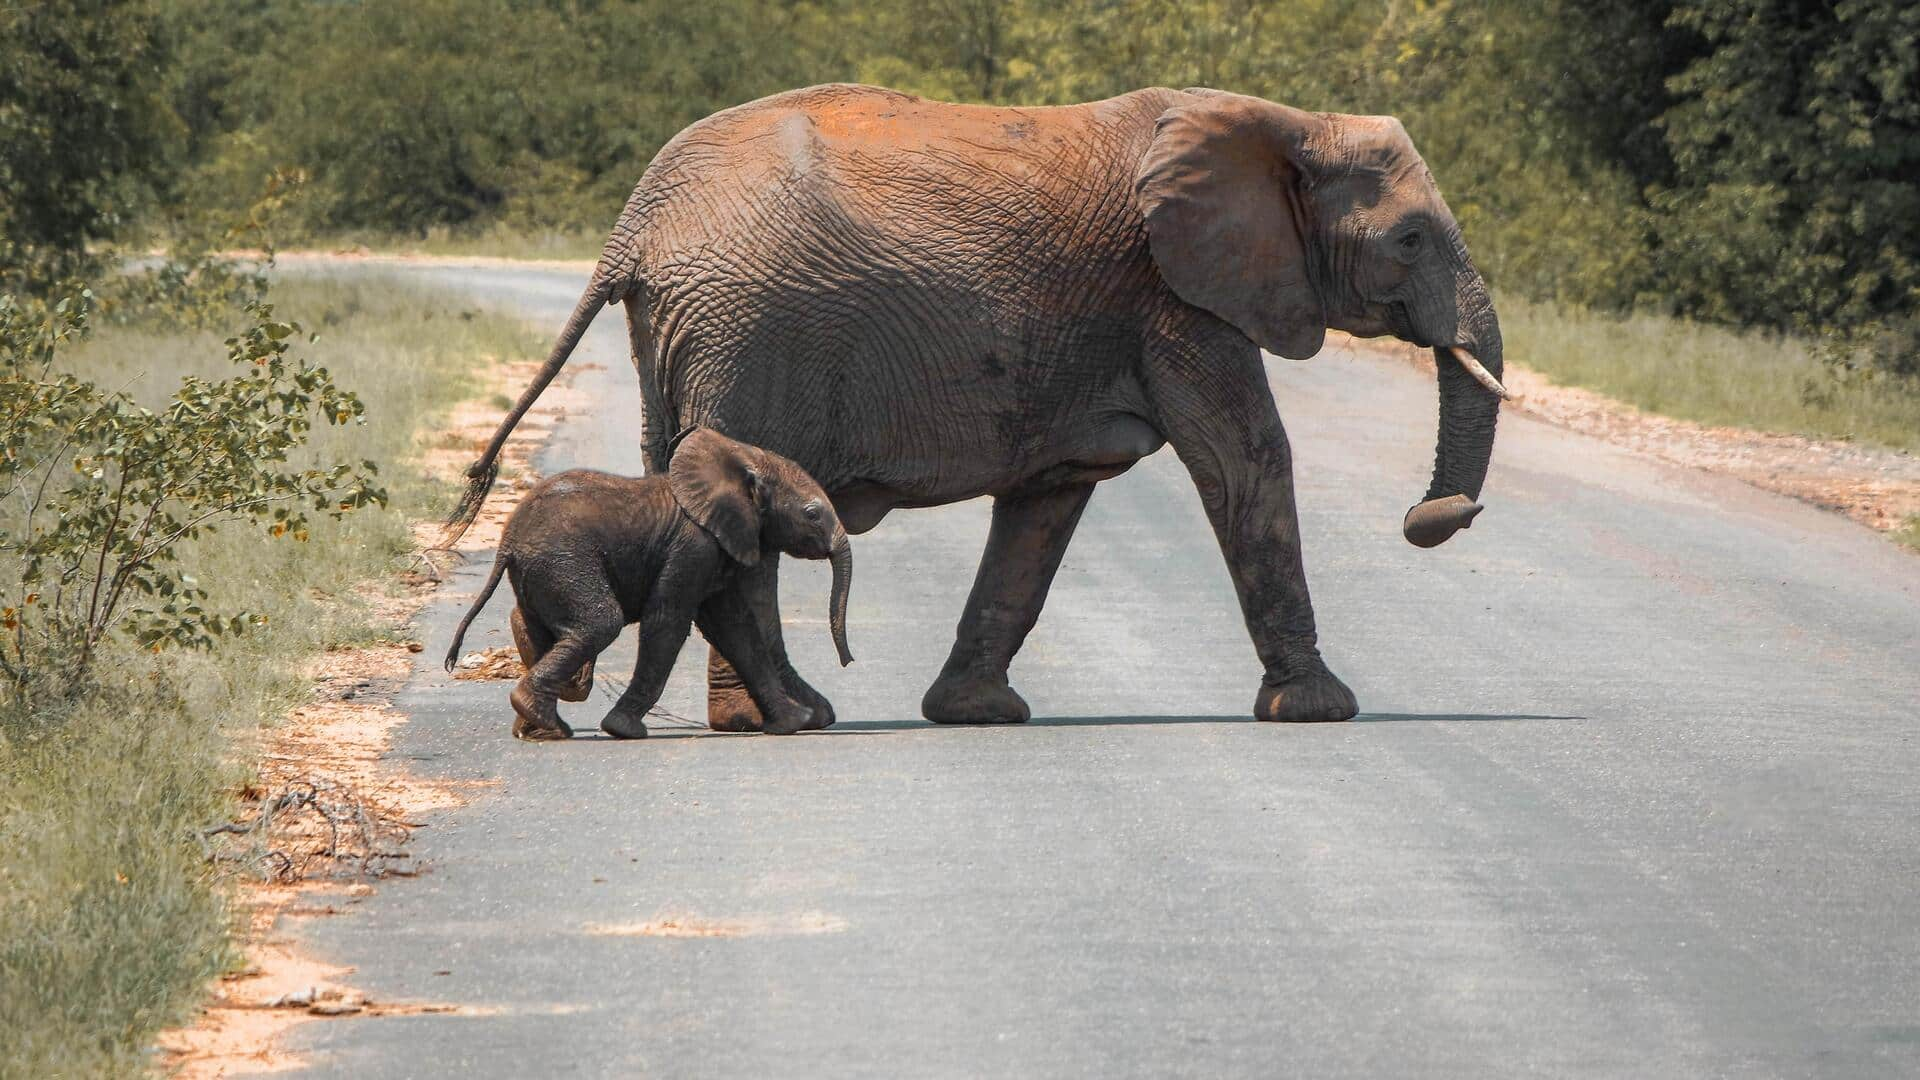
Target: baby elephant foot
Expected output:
[798,689]
[731,708]
[790,716]
[1307,698]
[534,717]
[973,699]
[625,722]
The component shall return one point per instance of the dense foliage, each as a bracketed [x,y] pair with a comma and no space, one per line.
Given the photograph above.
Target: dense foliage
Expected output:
[1746,161]
[84,127]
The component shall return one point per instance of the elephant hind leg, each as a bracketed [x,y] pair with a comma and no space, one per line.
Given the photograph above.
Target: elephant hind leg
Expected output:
[533,640]
[536,717]
[1028,537]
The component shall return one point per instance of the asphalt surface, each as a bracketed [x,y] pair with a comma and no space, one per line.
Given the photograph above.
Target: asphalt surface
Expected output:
[1635,792]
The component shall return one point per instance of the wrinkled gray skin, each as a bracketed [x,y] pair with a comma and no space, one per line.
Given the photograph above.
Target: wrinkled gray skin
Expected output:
[589,552]
[923,303]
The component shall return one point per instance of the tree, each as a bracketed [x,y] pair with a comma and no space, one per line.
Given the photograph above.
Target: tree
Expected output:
[84,129]
[1796,145]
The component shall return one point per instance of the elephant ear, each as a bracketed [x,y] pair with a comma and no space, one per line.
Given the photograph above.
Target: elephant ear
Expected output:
[713,479]
[1220,189]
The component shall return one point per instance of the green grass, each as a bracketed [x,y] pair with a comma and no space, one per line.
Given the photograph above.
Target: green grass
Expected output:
[1709,374]
[113,921]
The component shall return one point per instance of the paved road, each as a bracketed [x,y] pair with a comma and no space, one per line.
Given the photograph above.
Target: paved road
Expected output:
[1636,793]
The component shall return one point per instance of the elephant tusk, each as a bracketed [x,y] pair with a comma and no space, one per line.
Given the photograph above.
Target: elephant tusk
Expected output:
[1482,375]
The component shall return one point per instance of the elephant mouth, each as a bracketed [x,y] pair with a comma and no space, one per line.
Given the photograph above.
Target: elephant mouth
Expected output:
[1400,321]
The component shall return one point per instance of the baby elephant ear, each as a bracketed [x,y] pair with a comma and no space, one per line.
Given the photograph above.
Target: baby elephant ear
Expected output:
[712,478]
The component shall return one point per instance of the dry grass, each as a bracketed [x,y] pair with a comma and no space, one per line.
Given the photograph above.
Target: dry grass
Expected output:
[494,242]
[1909,534]
[1709,374]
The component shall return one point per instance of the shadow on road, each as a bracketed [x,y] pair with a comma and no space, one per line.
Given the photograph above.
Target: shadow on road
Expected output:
[857,727]
[1450,718]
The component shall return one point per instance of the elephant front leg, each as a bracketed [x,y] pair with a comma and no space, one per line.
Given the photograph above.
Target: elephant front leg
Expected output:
[1024,547]
[1228,434]
[737,631]
[663,630]
[730,705]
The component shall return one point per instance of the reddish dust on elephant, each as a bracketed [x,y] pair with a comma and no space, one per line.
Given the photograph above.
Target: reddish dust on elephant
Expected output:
[922,303]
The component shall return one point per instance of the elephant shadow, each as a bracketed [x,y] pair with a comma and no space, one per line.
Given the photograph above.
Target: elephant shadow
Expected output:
[862,727]
[855,726]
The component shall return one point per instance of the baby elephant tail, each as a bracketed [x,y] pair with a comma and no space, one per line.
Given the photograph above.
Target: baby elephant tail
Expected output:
[486,593]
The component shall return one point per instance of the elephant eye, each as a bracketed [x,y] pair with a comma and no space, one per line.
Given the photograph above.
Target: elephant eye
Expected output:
[1410,241]
[812,511]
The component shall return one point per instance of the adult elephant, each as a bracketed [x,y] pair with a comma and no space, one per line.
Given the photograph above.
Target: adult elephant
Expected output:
[923,302]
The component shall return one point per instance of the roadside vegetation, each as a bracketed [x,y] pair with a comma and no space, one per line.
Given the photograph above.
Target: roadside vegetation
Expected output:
[111,768]
[1756,379]
[491,242]
[1909,534]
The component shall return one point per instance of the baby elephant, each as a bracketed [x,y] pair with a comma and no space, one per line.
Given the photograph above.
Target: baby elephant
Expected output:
[589,552]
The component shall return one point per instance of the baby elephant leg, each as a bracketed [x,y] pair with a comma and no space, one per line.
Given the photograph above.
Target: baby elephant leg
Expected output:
[663,630]
[536,717]
[533,640]
[730,626]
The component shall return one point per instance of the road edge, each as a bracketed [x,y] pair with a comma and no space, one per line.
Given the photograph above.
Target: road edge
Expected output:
[341,739]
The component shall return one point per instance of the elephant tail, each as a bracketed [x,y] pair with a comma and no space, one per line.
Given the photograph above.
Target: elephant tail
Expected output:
[482,473]
[486,594]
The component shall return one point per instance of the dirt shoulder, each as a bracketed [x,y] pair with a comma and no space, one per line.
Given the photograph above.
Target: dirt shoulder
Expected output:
[1876,487]
[327,821]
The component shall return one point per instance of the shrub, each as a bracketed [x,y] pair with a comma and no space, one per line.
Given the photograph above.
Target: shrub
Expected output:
[98,493]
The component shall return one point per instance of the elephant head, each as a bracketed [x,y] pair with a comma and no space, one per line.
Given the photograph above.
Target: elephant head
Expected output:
[749,499]
[1284,223]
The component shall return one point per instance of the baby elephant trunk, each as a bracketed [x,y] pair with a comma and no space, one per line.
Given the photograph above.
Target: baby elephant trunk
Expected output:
[842,561]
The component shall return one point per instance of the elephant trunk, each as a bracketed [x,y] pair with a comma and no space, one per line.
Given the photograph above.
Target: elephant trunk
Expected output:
[1469,408]
[842,562]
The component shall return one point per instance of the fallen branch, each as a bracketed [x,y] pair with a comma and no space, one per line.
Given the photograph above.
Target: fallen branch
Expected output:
[312,828]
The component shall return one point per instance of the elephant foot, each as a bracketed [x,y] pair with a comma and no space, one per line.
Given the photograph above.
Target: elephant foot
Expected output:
[1305,699]
[814,700]
[730,708]
[534,717]
[625,723]
[973,699]
[791,718]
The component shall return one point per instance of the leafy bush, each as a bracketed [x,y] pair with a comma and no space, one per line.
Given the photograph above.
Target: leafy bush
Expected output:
[98,493]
